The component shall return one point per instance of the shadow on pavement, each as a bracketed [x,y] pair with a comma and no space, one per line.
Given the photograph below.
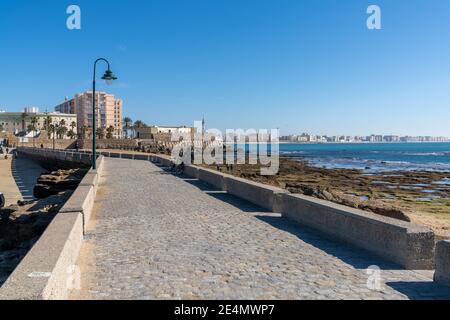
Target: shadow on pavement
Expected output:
[356,257]
[421,290]
[25,173]
[352,255]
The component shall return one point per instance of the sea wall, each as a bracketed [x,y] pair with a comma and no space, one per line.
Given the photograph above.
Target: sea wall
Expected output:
[48,271]
[406,244]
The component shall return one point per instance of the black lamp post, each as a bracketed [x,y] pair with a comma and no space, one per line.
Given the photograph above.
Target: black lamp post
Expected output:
[108,76]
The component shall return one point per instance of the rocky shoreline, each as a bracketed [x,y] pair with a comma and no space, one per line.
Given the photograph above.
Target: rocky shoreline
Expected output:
[418,197]
[22,225]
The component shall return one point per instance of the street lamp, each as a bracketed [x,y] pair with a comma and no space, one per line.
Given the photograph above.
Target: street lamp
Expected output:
[108,77]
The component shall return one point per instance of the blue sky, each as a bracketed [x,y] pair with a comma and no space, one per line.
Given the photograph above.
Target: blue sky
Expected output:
[297,65]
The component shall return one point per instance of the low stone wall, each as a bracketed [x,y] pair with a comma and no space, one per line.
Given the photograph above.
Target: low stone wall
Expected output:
[407,244]
[45,272]
[213,178]
[265,196]
[60,158]
[48,271]
[442,274]
[191,171]
[125,144]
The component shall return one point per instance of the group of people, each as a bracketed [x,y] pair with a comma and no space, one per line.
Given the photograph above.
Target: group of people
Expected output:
[5,150]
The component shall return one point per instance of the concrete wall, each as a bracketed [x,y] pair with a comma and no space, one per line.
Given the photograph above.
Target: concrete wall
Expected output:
[263,195]
[213,178]
[442,274]
[45,271]
[407,244]
[48,271]
[60,158]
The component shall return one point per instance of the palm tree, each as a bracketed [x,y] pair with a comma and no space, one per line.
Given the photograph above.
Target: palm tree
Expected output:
[47,125]
[73,125]
[109,132]
[62,123]
[71,134]
[33,128]
[128,122]
[100,133]
[61,131]
[83,132]
[50,130]
[24,116]
[138,124]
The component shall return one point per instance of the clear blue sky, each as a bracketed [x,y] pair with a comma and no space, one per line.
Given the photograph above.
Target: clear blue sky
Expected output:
[300,65]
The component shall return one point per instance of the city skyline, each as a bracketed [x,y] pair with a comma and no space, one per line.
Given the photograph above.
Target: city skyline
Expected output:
[305,65]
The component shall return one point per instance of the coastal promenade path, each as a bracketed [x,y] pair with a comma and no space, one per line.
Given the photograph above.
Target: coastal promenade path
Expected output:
[154,235]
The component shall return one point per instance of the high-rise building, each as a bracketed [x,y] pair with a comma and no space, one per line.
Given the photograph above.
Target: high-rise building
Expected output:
[68,106]
[31,110]
[109,111]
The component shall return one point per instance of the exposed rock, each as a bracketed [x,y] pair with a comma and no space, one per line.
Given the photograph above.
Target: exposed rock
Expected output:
[55,182]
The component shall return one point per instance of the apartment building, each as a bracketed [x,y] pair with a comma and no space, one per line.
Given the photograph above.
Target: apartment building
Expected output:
[108,111]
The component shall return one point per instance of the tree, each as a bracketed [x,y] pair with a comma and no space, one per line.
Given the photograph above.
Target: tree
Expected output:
[128,122]
[50,130]
[62,123]
[24,117]
[47,125]
[100,133]
[34,121]
[61,132]
[139,124]
[109,132]
[73,124]
[71,134]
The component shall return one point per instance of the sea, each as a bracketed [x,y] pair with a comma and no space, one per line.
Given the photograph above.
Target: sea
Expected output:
[373,157]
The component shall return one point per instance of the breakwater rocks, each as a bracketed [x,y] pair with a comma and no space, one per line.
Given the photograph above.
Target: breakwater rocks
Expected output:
[58,181]
[22,225]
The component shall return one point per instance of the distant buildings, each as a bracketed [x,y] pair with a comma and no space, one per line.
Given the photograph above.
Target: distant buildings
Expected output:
[307,138]
[31,110]
[109,111]
[16,122]
[149,132]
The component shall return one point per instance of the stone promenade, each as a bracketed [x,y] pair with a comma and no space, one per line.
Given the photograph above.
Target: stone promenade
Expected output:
[157,236]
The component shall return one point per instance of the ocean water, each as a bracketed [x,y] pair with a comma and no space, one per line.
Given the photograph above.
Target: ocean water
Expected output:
[374,157]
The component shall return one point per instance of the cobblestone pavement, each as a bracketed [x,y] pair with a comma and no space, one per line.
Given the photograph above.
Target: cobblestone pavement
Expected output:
[157,236]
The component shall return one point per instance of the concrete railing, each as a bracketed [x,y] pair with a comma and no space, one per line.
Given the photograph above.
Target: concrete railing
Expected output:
[442,274]
[407,244]
[58,157]
[48,270]
[266,196]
